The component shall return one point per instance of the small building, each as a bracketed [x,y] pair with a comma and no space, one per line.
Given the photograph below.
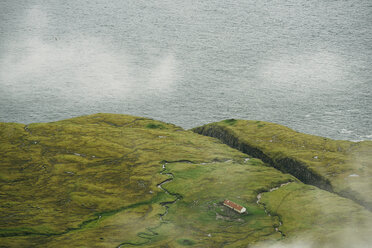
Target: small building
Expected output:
[234,206]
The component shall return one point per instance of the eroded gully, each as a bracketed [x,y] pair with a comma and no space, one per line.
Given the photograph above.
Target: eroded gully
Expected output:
[259,196]
[160,186]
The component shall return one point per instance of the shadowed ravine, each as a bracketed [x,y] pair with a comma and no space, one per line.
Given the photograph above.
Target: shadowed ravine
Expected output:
[287,165]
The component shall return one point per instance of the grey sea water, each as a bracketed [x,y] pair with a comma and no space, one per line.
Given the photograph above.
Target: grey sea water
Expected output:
[301,63]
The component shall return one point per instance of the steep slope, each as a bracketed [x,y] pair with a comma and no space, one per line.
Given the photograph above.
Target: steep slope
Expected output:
[342,167]
[109,180]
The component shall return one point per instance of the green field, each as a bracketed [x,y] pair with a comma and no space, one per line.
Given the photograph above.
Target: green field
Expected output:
[108,180]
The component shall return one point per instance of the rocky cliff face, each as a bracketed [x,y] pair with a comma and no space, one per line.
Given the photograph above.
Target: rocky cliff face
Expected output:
[286,165]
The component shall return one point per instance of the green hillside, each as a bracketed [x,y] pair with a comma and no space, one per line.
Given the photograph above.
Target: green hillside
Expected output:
[108,180]
[339,166]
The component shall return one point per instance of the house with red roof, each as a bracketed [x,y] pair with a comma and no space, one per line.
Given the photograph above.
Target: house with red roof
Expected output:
[234,206]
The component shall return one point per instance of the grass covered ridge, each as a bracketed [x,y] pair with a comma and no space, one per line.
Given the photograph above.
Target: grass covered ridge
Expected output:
[92,181]
[341,166]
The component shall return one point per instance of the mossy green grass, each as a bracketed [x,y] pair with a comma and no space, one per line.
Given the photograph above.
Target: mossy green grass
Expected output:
[282,213]
[339,166]
[108,180]
[59,178]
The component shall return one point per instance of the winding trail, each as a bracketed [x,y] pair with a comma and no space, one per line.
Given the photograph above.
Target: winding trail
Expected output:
[259,196]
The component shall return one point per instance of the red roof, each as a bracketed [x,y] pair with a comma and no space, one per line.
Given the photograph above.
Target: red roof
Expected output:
[233,205]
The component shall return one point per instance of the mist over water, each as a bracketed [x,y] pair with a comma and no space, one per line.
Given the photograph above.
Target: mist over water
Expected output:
[304,64]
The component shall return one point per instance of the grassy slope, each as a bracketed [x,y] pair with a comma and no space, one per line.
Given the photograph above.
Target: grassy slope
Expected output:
[205,187]
[92,182]
[346,165]
[60,177]
[296,209]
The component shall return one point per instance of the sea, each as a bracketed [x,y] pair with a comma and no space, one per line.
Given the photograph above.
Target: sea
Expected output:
[306,64]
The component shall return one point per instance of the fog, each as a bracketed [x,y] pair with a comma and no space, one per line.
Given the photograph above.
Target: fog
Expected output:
[348,237]
[72,66]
